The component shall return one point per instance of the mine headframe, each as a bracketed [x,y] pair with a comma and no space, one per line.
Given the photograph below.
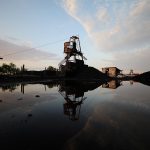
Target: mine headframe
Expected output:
[72,48]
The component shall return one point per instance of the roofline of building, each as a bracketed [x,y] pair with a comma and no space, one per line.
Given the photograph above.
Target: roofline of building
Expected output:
[112,67]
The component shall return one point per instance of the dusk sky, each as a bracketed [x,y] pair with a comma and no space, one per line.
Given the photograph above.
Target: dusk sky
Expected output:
[112,32]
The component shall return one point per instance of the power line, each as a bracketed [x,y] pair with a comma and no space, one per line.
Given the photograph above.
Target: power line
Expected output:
[24,50]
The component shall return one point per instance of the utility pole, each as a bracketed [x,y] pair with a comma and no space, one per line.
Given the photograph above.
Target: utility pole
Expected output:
[131,72]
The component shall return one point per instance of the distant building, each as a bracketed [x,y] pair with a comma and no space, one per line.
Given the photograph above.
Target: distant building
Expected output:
[111,71]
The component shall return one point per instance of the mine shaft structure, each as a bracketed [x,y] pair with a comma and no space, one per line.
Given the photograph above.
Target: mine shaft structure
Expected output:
[74,59]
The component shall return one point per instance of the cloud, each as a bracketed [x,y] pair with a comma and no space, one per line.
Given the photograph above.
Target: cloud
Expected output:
[21,54]
[102,15]
[17,41]
[119,33]
[137,60]
[115,27]
[71,6]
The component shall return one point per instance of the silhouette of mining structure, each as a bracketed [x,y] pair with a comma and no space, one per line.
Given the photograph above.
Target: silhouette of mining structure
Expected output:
[73,64]
[73,93]
[74,59]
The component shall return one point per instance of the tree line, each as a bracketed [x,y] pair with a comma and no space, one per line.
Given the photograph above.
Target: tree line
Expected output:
[9,69]
[12,69]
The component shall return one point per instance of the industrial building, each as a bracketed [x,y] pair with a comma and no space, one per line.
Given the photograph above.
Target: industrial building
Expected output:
[111,71]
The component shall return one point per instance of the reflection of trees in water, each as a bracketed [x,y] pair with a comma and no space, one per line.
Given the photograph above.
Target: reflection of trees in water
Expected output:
[71,88]
[51,85]
[9,87]
[13,86]
[73,93]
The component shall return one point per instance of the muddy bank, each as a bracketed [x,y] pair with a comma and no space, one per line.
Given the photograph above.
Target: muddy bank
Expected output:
[143,78]
[85,74]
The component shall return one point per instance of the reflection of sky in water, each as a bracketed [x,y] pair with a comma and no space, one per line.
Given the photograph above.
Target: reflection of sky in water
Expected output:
[109,118]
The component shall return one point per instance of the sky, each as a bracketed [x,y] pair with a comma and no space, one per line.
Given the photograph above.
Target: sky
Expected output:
[112,32]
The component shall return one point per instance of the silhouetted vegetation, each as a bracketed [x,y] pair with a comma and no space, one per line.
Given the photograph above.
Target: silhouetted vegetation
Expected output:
[9,69]
[12,69]
[10,72]
[50,68]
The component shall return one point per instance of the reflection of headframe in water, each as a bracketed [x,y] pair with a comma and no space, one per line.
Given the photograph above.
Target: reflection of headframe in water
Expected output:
[74,98]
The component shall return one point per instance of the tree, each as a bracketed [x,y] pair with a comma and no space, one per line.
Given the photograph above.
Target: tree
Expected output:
[23,69]
[12,68]
[1,70]
[50,68]
[5,68]
[9,69]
